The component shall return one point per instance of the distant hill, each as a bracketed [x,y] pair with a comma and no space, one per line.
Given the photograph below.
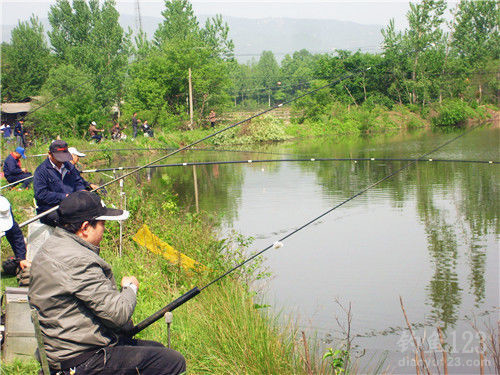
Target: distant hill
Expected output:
[280,35]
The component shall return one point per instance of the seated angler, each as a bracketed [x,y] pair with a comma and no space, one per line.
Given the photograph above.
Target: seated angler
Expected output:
[15,237]
[54,180]
[76,158]
[12,169]
[81,311]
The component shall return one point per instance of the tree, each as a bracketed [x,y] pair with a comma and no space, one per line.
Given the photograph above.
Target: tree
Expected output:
[179,23]
[159,81]
[74,106]
[424,34]
[25,61]
[89,37]
[476,35]
[268,72]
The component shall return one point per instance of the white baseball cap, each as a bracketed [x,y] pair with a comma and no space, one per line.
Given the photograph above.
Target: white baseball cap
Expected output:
[6,220]
[74,151]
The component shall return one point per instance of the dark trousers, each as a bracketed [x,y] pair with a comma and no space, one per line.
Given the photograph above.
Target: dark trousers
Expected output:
[16,241]
[133,357]
[18,177]
[135,130]
[97,137]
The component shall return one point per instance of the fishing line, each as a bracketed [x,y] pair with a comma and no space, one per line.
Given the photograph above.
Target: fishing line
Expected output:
[195,291]
[35,218]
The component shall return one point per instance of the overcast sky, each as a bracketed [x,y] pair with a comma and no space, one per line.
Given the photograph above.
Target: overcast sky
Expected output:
[365,12]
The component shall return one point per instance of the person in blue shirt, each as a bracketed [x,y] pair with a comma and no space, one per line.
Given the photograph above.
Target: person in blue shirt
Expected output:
[54,180]
[12,169]
[19,133]
[6,132]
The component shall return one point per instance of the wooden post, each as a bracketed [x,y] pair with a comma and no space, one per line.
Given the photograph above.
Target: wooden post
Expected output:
[122,195]
[190,101]
[195,189]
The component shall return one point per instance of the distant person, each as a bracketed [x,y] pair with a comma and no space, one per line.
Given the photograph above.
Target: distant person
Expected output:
[54,180]
[94,132]
[13,170]
[117,132]
[14,237]
[147,130]
[212,118]
[76,157]
[6,132]
[19,133]
[135,122]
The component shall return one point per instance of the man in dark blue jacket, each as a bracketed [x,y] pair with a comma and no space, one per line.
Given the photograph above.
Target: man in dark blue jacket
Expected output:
[54,180]
[12,168]
[19,133]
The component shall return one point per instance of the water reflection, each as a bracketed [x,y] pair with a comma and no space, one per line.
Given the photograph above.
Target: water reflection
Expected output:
[431,232]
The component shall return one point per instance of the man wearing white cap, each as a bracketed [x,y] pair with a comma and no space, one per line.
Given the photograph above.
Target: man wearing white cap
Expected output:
[76,157]
[94,132]
[14,236]
[82,313]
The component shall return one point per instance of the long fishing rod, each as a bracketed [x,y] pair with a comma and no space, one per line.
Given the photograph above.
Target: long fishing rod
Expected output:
[37,217]
[251,161]
[171,149]
[195,291]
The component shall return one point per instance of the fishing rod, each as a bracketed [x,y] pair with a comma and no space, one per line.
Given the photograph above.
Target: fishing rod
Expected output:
[250,161]
[278,244]
[35,218]
[171,149]
[15,183]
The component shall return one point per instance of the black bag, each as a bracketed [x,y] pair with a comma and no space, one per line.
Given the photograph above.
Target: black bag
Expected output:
[11,266]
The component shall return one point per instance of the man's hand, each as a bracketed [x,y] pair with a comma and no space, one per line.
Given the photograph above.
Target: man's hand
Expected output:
[24,170]
[94,186]
[128,280]
[24,264]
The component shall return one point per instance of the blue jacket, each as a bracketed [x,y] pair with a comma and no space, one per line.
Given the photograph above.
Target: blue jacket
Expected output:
[18,129]
[51,188]
[11,168]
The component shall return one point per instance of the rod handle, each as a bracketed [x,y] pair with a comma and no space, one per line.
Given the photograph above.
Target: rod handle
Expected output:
[160,313]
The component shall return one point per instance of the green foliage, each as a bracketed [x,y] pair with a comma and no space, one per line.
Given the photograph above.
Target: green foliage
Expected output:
[25,61]
[476,35]
[89,36]
[453,113]
[74,108]
[159,78]
[263,129]
[336,360]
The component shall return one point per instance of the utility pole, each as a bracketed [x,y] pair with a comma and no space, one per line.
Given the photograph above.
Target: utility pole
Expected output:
[138,19]
[190,102]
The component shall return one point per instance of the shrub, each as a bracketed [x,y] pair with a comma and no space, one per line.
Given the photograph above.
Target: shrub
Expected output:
[453,113]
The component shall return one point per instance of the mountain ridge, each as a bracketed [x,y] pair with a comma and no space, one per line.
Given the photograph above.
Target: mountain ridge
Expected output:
[280,35]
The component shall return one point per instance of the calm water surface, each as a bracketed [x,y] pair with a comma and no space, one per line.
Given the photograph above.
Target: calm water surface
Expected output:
[430,235]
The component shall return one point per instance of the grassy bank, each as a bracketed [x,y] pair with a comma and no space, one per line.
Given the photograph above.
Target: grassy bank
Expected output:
[220,331]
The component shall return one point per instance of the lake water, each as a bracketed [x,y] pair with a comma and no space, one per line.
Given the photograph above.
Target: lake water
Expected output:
[430,234]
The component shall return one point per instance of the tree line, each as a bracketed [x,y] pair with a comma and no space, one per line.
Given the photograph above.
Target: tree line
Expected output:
[88,68]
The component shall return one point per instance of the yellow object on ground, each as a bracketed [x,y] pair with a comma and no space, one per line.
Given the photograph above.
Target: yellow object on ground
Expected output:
[146,238]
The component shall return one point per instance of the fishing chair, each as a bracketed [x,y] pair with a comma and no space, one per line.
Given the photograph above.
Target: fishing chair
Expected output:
[41,355]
